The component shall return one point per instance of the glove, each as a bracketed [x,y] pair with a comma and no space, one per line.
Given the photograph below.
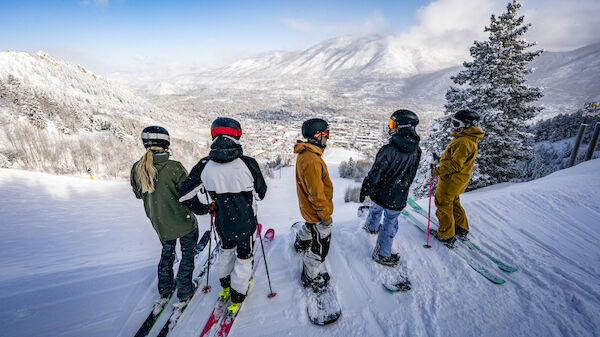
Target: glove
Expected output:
[435,160]
[212,208]
[361,198]
[327,222]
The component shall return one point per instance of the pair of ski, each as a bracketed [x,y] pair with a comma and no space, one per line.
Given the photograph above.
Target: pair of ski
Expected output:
[323,306]
[400,281]
[458,249]
[161,308]
[219,322]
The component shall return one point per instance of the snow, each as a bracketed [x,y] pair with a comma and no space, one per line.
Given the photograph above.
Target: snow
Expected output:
[79,259]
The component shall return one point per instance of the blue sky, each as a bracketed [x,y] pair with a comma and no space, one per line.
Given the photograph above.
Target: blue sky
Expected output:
[128,35]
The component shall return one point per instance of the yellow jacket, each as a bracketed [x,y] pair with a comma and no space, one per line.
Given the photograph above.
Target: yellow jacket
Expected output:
[457,161]
[315,191]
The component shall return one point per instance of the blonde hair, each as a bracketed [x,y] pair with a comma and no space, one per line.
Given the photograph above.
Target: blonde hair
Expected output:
[146,170]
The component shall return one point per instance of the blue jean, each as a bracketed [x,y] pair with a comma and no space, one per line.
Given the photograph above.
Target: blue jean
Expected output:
[186,266]
[388,229]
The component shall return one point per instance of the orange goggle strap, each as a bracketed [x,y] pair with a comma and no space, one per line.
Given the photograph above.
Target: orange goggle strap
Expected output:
[323,133]
[223,130]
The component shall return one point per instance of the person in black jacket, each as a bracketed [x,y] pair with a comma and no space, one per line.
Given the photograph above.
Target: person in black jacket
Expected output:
[233,182]
[388,182]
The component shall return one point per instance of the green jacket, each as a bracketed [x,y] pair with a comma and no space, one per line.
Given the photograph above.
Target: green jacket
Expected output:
[457,161]
[170,219]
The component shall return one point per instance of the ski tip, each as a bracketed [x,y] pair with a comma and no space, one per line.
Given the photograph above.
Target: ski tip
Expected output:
[270,234]
[259,229]
[327,319]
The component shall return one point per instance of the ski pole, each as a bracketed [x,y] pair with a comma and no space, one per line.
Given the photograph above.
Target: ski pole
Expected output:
[272,294]
[207,287]
[429,214]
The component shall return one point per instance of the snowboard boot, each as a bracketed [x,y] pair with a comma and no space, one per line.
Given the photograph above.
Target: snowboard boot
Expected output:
[390,261]
[318,283]
[447,242]
[461,233]
[301,246]
[366,228]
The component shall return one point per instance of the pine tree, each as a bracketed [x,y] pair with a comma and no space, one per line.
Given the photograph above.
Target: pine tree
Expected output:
[493,84]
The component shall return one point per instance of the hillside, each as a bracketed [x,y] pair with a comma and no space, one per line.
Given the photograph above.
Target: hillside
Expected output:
[90,270]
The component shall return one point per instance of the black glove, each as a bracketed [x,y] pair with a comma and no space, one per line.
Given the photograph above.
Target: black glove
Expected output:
[435,157]
[212,208]
[362,197]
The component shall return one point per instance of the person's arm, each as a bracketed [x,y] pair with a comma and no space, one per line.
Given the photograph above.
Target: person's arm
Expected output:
[260,186]
[137,190]
[460,153]
[313,178]
[373,178]
[190,186]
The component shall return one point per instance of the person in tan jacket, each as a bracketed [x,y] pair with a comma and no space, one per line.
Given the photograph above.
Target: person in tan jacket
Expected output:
[454,172]
[315,194]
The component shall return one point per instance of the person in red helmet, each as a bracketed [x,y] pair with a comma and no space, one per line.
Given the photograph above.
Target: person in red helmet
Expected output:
[233,182]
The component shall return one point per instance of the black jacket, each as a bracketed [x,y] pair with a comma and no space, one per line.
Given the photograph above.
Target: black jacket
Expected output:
[393,171]
[232,181]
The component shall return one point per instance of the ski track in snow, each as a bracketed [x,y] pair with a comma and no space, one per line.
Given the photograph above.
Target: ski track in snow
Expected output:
[79,259]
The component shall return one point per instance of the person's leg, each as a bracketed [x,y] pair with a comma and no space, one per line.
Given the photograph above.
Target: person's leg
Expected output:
[188,243]
[443,203]
[226,262]
[460,217]
[166,284]
[374,217]
[319,248]
[240,275]
[303,238]
[388,231]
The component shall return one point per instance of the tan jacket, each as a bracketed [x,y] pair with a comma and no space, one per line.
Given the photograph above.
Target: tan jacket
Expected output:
[457,161]
[315,191]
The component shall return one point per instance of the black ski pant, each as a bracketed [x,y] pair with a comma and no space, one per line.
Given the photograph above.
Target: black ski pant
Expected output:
[166,283]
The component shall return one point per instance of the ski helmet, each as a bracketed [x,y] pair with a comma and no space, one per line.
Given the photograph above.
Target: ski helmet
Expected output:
[225,126]
[314,130]
[402,119]
[464,118]
[156,136]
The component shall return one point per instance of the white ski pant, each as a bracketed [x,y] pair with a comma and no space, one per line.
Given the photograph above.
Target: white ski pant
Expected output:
[239,269]
[320,236]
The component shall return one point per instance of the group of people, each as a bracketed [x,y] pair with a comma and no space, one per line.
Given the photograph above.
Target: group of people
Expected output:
[227,185]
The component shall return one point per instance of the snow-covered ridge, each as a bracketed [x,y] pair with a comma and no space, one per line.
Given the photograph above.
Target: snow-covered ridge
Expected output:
[66,84]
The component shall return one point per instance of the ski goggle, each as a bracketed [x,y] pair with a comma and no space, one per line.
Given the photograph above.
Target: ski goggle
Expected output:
[392,125]
[457,123]
[223,130]
[322,134]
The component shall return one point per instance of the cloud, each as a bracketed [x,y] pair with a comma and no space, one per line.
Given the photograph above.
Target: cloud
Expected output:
[373,23]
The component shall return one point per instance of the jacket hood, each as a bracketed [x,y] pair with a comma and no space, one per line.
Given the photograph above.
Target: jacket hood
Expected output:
[407,141]
[474,132]
[304,146]
[225,149]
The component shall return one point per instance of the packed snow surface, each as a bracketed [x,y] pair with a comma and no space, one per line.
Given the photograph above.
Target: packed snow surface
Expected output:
[79,259]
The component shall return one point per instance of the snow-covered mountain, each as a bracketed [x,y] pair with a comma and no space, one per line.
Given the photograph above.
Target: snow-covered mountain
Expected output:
[90,270]
[381,71]
[62,118]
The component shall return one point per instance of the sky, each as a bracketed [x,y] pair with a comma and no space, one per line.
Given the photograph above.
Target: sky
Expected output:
[109,36]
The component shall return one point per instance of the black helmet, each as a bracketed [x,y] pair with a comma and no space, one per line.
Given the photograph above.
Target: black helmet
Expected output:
[465,118]
[402,119]
[225,126]
[156,136]
[314,130]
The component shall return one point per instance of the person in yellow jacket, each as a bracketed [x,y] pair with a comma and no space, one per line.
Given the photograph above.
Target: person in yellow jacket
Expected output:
[315,194]
[454,172]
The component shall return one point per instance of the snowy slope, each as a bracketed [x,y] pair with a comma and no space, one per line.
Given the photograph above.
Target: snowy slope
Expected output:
[79,260]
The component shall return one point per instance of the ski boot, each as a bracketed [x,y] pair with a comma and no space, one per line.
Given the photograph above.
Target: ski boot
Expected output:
[447,242]
[224,294]
[461,233]
[390,261]
[233,309]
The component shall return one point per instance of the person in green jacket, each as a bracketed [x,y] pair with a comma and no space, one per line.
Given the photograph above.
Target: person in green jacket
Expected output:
[454,172]
[155,179]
